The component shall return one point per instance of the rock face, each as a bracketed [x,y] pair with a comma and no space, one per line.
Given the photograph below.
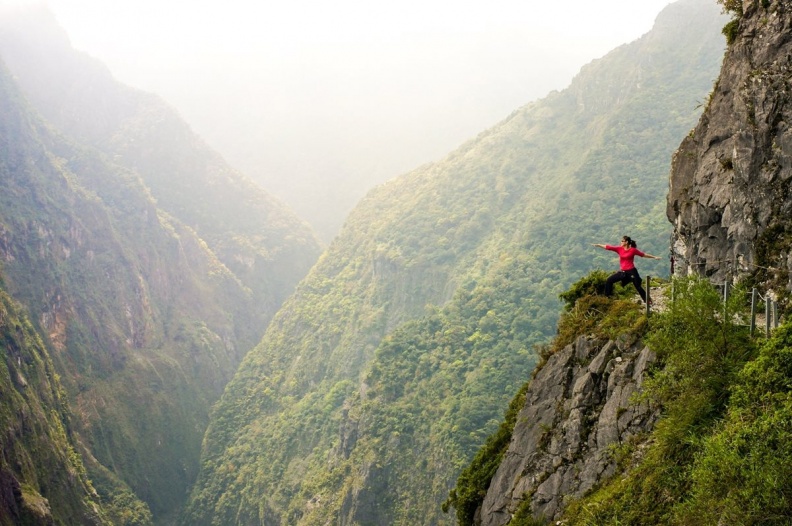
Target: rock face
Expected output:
[577,409]
[729,197]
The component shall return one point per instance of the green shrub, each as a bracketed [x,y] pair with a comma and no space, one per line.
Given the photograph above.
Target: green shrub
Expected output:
[700,342]
[743,474]
[524,517]
[701,352]
[732,6]
[731,30]
[589,285]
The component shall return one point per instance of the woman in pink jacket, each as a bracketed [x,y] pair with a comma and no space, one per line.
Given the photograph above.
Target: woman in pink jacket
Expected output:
[628,273]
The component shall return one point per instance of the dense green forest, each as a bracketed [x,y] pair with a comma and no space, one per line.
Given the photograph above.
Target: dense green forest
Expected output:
[393,361]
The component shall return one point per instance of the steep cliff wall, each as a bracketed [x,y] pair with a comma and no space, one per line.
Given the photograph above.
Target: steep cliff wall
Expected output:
[42,480]
[729,197]
[577,409]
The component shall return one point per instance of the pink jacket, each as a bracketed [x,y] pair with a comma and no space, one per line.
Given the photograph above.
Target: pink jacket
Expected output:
[626,256]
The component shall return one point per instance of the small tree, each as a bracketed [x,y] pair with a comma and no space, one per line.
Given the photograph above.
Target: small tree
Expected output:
[731,29]
[732,6]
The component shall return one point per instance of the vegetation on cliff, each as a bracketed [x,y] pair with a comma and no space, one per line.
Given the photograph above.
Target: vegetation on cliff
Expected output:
[719,454]
[42,477]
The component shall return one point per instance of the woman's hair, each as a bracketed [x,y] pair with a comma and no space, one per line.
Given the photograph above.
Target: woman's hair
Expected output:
[630,241]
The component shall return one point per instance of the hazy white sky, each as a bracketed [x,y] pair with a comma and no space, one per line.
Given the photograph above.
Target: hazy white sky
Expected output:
[149,43]
[353,91]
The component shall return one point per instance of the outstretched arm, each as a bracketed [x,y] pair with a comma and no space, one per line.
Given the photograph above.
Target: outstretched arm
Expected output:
[597,245]
[650,256]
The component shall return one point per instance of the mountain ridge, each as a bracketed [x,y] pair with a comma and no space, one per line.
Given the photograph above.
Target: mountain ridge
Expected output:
[250,231]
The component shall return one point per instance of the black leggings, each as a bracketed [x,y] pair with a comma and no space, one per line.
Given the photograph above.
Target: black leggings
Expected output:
[625,276]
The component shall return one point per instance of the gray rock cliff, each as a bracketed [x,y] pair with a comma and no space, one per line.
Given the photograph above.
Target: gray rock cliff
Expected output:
[577,408]
[729,198]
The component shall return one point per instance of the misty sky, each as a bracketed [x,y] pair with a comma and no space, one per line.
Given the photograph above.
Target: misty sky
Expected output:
[345,94]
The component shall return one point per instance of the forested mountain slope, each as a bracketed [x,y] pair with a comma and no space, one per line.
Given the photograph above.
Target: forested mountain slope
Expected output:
[361,404]
[42,479]
[266,246]
[148,264]
[142,321]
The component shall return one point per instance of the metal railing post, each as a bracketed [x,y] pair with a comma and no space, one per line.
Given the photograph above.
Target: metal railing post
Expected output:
[775,314]
[725,299]
[768,309]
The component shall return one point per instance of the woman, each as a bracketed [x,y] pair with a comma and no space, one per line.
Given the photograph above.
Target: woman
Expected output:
[627,252]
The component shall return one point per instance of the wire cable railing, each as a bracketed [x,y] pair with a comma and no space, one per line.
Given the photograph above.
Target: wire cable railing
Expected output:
[771,314]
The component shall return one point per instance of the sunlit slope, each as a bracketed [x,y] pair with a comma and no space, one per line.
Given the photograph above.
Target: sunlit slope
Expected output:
[266,246]
[143,323]
[360,405]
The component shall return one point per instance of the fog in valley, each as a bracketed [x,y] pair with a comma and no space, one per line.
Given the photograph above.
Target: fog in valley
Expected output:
[320,101]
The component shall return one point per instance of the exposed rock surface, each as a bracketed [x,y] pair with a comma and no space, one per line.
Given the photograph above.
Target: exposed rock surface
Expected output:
[578,407]
[729,197]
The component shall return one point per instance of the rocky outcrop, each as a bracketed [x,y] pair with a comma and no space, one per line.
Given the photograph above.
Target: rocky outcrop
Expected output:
[729,197]
[578,407]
